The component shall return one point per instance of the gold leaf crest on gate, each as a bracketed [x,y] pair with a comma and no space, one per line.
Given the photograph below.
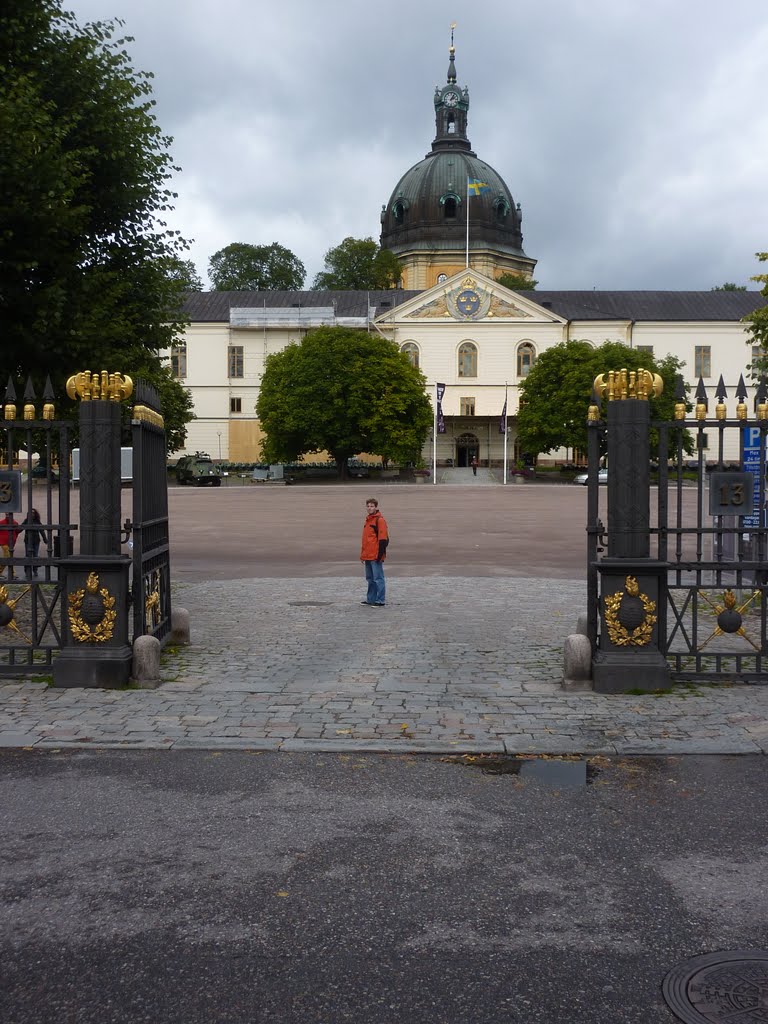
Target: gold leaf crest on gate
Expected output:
[633,607]
[92,612]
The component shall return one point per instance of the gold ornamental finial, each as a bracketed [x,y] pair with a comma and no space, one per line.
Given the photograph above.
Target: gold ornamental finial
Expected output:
[96,386]
[626,384]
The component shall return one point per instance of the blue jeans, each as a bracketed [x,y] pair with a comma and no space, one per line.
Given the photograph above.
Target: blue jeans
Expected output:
[374,574]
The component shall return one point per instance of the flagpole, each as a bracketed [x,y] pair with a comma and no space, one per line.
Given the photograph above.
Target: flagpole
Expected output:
[434,442]
[505,431]
[467,222]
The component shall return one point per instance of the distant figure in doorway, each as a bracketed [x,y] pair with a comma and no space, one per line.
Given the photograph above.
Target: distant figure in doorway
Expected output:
[373,552]
[33,534]
[473,464]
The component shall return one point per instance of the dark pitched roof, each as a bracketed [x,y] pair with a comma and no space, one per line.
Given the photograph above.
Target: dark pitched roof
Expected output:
[203,307]
[591,305]
[215,306]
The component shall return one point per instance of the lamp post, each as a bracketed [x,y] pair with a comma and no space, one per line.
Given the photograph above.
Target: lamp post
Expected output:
[219,433]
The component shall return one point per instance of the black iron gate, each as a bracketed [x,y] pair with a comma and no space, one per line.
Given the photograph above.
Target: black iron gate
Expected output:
[34,475]
[707,535]
[151,587]
[63,604]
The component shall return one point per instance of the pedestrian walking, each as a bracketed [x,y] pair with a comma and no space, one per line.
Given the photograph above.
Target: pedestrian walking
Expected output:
[33,534]
[473,464]
[9,532]
[373,552]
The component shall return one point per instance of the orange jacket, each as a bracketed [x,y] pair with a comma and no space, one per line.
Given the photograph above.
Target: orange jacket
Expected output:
[374,531]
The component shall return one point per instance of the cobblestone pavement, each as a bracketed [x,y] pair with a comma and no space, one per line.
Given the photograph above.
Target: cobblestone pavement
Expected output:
[449,665]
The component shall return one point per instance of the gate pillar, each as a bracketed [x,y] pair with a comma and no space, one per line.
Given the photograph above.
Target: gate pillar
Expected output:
[632,585]
[95,649]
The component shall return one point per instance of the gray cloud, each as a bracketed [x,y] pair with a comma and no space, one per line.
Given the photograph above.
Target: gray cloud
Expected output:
[634,133]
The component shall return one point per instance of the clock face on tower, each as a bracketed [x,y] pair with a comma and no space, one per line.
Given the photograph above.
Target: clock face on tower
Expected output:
[451,99]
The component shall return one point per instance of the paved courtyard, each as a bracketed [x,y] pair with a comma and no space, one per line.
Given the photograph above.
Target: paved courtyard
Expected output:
[484,584]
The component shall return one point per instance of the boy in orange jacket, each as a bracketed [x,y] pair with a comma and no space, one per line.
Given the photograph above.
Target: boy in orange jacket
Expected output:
[373,552]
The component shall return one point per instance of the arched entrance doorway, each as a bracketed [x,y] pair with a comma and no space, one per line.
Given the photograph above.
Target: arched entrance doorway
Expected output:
[467,446]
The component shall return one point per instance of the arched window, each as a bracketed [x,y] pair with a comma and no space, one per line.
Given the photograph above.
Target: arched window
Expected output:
[467,359]
[411,349]
[501,207]
[442,278]
[526,357]
[450,203]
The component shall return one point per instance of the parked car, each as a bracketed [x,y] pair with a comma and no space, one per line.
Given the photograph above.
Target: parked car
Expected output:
[583,478]
[198,469]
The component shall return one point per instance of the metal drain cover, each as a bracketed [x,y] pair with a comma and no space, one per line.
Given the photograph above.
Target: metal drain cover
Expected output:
[309,604]
[719,987]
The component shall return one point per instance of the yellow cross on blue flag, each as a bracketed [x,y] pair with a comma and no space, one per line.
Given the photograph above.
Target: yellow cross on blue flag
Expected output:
[475,187]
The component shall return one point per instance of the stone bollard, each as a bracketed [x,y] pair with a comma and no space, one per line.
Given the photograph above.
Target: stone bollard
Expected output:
[577,663]
[146,662]
[582,625]
[179,627]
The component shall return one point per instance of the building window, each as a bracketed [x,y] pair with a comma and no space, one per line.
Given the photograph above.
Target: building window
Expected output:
[235,404]
[450,209]
[468,359]
[466,407]
[758,357]
[411,349]
[235,359]
[399,211]
[702,363]
[442,278]
[179,360]
[526,357]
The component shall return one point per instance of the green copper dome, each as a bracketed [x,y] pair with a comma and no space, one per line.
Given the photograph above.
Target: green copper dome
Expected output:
[427,208]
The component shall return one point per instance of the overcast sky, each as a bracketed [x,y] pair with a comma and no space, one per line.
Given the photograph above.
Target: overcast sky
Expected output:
[633,132]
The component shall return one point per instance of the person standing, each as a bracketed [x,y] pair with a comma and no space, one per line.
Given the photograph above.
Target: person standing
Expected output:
[9,531]
[33,534]
[373,552]
[473,464]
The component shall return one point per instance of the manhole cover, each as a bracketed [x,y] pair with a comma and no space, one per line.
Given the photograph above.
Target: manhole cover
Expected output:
[308,604]
[719,987]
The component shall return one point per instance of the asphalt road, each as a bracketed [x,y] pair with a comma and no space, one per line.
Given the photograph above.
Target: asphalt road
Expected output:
[214,888]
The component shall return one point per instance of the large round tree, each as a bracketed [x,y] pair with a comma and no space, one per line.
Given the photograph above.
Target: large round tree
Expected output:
[556,394]
[342,391]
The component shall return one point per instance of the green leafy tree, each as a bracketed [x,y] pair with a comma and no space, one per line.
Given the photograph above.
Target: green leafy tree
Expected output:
[84,173]
[359,263]
[342,391]
[556,394]
[184,273]
[758,326]
[729,286]
[240,267]
[517,282]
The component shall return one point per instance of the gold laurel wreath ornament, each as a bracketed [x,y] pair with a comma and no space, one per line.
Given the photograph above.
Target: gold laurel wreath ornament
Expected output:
[642,633]
[99,631]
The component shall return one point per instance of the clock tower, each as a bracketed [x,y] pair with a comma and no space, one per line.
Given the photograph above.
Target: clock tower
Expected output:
[451,109]
[425,221]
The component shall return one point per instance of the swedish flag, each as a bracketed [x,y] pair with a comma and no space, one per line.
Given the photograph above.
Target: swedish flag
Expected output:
[475,187]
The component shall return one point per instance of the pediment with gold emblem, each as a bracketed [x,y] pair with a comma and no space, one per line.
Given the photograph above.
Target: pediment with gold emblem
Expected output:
[467,297]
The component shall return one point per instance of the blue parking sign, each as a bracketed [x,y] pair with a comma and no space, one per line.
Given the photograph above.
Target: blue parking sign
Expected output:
[751,464]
